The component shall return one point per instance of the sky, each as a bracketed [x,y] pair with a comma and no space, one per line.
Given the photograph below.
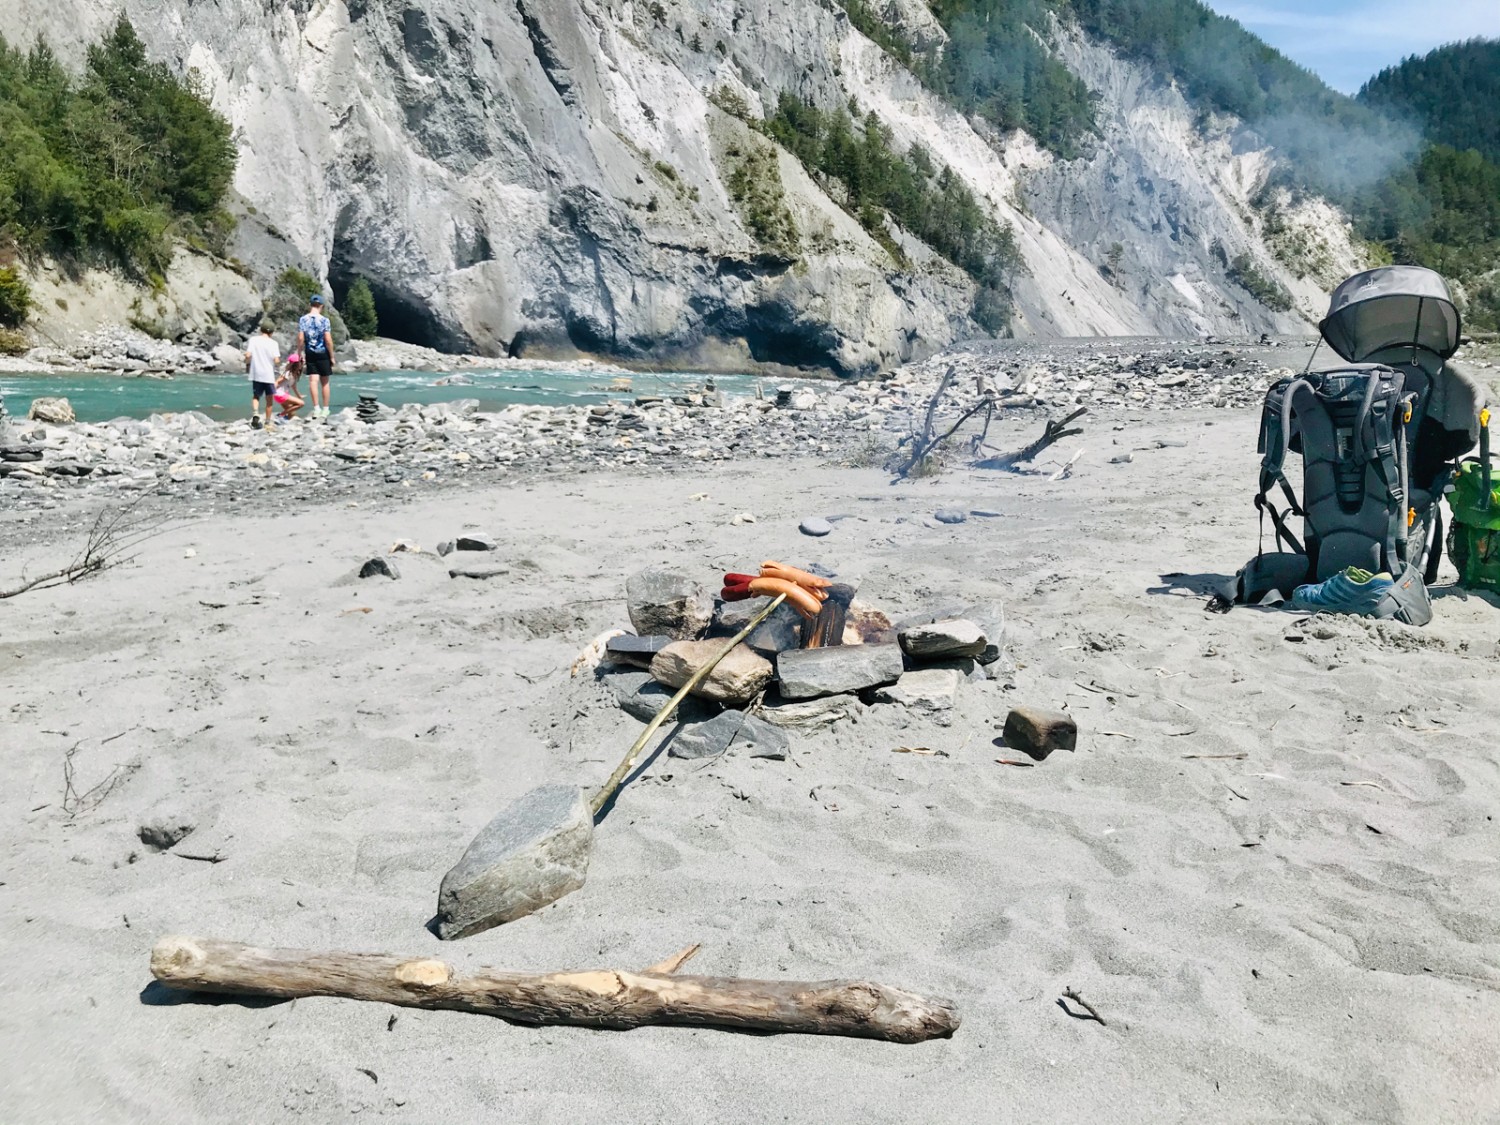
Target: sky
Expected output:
[1347,42]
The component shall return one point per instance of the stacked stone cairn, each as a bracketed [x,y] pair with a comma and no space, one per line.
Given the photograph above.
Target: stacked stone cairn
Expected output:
[368,410]
[769,684]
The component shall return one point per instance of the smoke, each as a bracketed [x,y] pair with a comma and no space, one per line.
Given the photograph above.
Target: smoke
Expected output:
[1343,152]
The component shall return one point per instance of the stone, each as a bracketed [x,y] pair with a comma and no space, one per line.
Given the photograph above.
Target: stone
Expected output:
[942,640]
[229,359]
[950,515]
[923,689]
[477,569]
[1037,732]
[807,673]
[991,620]
[628,648]
[54,411]
[379,566]
[445,548]
[402,546]
[662,600]
[821,712]
[729,730]
[777,633]
[816,526]
[736,679]
[163,831]
[641,697]
[985,513]
[475,543]
[20,454]
[529,855]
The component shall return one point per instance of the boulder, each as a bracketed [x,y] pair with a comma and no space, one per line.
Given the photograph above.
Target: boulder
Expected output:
[731,729]
[1037,732]
[736,679]
[808,673]
[229,359]
[661,600]
[777,633]
[526,857]
[55,411]
[943,640]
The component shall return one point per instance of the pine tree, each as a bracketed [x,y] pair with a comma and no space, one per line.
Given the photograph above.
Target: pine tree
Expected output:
[359,310]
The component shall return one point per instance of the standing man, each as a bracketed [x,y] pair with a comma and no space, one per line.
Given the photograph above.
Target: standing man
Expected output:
[262,353]
[315,342]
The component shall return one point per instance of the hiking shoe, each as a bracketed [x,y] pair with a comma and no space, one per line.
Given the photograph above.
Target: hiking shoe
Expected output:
[1352,591]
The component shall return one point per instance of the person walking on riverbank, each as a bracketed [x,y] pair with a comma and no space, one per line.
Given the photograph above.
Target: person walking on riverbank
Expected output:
[262,354]
[315,345]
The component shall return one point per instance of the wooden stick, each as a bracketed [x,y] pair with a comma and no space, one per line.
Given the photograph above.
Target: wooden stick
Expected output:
[605,998]
[622,771]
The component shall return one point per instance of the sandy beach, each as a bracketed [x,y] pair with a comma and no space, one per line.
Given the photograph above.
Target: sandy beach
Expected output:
[1272,864]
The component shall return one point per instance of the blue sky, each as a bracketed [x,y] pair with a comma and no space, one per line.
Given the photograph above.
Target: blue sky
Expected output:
[1348,41]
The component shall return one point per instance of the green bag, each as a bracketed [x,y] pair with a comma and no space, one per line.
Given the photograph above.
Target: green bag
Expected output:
[1474,540]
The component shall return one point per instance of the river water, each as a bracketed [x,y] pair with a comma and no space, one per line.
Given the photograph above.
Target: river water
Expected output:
[98,398]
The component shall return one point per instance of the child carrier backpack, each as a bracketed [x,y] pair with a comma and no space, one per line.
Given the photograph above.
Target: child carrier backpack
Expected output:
[1378,438]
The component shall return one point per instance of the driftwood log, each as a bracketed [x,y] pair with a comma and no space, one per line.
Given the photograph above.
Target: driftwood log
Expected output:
[604,998]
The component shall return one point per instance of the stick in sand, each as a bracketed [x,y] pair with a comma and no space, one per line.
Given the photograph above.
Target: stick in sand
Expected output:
[602,998]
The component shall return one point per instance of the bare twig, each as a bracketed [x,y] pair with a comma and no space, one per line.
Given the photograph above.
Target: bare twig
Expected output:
[74,802]
[1217,757]
[1071,993]
[114,536]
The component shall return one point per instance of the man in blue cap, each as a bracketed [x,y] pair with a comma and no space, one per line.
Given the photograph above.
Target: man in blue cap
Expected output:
[315,342]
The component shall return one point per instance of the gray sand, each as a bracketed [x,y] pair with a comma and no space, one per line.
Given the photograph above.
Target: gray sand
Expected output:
[1311,933]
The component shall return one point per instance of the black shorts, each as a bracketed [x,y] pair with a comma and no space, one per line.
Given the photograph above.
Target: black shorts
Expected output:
[262,390]
[319,363]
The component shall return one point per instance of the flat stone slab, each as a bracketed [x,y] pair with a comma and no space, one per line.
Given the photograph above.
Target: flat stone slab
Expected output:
[736,679]
[529,855]
[811,713]
[943,640]
[808,673]
[923,689]
[950,515]
[777,633]
[668,602]
[641,698]
[477,569]
[732,730]
[816,526]
[628,648]
[1037,732]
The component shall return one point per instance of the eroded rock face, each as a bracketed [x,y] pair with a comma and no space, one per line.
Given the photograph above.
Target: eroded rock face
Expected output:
[552,176]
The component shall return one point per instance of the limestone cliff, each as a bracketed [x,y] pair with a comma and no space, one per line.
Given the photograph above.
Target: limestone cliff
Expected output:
[531,175]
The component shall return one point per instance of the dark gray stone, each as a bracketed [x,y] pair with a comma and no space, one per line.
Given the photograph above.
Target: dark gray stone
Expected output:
[777,633]
[477,569]
[1037,732]
[474,542]
[641,697]
[923,689]
[730,730]
[943,640]
[531,854]
[985,513]
[950,515]
[816,526]
[807,673]
[163,831]
[991,619]
[379,566]
[20,454]
[638,651]
[665,601]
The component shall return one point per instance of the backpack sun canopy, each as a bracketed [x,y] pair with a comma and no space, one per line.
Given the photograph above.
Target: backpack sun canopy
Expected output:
[1389,308]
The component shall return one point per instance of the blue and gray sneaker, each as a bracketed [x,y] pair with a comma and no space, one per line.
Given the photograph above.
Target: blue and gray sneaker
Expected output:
[1352,591]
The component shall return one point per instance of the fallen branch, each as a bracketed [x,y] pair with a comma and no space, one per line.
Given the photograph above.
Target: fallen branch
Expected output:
[924,444]
[1073,995]
[603,998]
[1055,432]
[115,534]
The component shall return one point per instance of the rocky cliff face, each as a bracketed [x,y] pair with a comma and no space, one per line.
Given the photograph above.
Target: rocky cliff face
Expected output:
[525,176]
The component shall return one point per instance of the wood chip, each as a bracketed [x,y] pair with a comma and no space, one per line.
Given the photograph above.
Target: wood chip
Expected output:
[356,609]
[1366,784]
[1014,762]
[921,751]
[1216,757]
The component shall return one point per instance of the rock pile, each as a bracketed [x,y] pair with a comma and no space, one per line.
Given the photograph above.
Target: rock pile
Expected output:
[770,684]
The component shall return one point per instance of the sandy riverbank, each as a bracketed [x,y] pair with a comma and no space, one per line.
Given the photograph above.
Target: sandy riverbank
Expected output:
[1308,933]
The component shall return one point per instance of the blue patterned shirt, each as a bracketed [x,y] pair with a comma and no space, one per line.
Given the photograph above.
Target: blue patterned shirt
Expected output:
[313,326]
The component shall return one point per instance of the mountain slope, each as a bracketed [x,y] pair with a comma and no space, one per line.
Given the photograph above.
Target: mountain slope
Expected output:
[1452,94]
[546,175]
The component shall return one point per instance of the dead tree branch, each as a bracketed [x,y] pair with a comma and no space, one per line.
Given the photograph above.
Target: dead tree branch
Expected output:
[1054,433]
[113,538]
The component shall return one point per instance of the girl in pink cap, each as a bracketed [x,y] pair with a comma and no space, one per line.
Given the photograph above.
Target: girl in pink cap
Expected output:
[287,396]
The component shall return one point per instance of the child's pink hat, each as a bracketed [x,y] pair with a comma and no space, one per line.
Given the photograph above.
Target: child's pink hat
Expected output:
[294,358]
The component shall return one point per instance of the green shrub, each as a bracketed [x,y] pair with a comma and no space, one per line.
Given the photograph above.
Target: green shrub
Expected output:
[359,311]
[13,342]
[1264,288]
[113,163]
[15,298]
[755,187]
